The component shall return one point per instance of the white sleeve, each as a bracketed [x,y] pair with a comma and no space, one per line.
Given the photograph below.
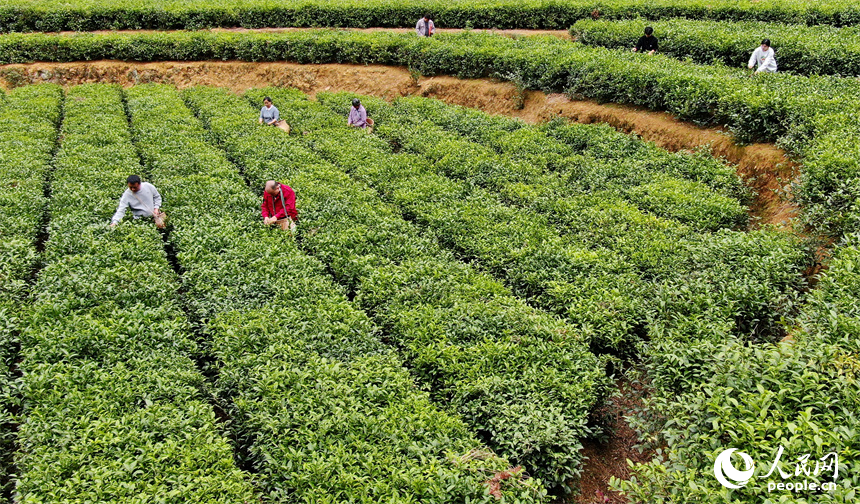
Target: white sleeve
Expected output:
[120,210]
[753,58]
[156,197]
[770,61]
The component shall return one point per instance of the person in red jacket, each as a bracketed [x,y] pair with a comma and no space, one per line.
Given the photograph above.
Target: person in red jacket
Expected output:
[279,206]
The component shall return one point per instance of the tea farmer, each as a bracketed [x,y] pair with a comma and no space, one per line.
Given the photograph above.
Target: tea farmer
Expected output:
[425,27]
[269,114]
[648,42]
[279,206]
[763,56]
[357,114]
[143,199]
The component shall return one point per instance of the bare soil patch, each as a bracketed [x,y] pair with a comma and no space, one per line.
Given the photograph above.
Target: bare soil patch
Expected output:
[610,458]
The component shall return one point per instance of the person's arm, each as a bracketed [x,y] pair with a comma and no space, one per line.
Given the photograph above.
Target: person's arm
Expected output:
[156,199]
[638,46]
[652,51]
[290,200]
[418,27]
[432,29]
[349,120]
[362,118]
[261,115]
[752,59]
[120,211]
[276,115]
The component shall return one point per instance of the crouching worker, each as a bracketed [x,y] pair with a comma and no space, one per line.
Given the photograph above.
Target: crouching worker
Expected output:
[271,116]
[143,199]
[358,116]
[279,206]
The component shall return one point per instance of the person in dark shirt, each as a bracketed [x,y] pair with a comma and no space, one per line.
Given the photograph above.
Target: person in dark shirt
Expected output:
[647,43]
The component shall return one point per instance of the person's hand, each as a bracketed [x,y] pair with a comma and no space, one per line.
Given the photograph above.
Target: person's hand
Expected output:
[633,50]
[651,52]
[155,212]
[112,225]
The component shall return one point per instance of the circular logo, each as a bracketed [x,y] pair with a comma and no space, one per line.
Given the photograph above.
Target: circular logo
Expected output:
[723,469]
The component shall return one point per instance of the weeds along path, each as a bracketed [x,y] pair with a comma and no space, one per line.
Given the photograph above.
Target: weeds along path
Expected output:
[764,167]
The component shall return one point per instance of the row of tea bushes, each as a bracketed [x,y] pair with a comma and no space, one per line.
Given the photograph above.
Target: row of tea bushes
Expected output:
[651,178]
[801,395]
[806,50]
[29,120]
[523,381]
[715,284]
[112,403]
[87,15]
[320,409]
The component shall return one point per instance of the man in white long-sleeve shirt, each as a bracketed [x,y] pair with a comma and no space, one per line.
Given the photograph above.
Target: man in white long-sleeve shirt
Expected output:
[764,57]
[143,199]
[425,27]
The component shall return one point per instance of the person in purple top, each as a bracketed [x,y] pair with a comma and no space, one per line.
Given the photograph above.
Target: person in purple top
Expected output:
[357,115]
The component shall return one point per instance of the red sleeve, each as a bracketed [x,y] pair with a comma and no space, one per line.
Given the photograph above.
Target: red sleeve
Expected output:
[264,208]
[290,200]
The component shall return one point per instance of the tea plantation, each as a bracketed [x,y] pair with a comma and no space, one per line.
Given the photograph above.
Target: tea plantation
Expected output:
[465,292]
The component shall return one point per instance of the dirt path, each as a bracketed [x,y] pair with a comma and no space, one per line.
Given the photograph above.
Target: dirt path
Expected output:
[763,166]
[563,34]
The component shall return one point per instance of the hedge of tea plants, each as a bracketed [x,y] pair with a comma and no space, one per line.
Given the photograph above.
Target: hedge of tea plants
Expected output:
[320,409]
[800,49]
[112,406]
[800,395]
[29,120]
[610,297]
[523,381]
[89,15]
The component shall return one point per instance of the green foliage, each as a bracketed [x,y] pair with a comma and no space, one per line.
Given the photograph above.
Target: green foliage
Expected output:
[87,15]
[321,409]
[113,408]
[806,50]
[28,131]
[461,326]
[800,396]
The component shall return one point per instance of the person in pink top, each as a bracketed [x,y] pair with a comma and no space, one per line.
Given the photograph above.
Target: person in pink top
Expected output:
[357,114]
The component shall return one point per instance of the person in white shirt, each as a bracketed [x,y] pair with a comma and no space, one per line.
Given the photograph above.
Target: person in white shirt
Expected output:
[764,57]
[143,199]
[425,27]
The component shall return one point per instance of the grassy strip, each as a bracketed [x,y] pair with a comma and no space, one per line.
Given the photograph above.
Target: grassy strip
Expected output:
[811,116]
[87,15]
[112,401]
[521,379]
[324,411]
[29,122]
[805,50]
